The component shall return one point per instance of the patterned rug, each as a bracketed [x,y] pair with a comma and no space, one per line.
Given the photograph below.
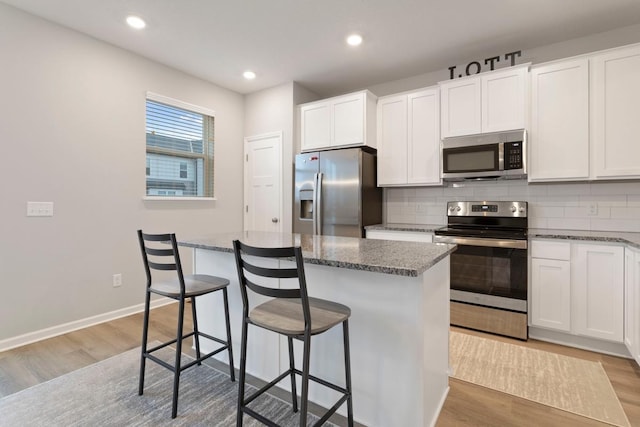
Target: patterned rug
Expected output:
[567,383]
[106,394]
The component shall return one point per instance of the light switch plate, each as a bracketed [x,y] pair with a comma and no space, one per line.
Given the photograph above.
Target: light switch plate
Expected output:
[39,208]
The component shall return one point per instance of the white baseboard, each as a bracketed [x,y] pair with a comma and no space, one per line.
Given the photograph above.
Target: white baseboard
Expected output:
[54,331]
[584,343]
[440,406]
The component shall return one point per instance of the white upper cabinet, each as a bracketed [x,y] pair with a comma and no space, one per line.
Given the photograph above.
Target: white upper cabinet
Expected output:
[409,139]
[392,140]
[489,102]
[615,120]
[315,123]
[424,137]
[559,133]
[342,121]
[460,107]
[504,99]
[584,117]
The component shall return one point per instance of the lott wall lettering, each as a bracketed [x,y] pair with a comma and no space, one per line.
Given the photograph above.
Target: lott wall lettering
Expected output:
[475,67]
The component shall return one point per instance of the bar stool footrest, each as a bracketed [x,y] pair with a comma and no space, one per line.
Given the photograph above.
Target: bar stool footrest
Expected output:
[279,378]
[148,354]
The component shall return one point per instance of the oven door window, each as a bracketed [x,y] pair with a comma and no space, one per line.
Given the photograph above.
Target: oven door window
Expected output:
[490,271]
[480,158]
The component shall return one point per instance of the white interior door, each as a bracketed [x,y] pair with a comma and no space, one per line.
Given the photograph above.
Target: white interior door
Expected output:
[263,182]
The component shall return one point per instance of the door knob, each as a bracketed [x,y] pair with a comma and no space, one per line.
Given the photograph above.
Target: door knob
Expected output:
[274,220]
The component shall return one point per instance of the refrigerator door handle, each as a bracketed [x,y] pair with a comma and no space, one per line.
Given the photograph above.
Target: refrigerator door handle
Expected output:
[314,215]
[318,207]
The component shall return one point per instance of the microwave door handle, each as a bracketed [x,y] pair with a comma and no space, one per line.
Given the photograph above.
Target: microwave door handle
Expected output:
[501,156]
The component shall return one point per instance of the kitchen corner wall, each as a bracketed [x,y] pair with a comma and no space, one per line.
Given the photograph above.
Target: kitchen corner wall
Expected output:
[555,206]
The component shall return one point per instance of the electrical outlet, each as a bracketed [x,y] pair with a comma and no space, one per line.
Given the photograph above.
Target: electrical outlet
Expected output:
[421,208]
[593,209]
[117,280]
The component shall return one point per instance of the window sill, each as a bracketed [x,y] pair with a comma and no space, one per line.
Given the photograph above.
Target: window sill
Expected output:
[173,199]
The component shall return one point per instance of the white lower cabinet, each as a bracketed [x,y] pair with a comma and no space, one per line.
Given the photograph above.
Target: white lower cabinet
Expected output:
[406,236]
[551,291]
[578,288]
[632,302]
[598,291]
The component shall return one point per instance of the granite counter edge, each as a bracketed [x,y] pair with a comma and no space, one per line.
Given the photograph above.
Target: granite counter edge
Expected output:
[396,271]
[569,236]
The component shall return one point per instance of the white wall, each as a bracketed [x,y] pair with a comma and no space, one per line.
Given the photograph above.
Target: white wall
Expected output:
[72,131]
[565,49]
[272,110]
[555,206]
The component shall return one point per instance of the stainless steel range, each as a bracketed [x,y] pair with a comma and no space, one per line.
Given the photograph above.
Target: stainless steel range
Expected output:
[489,270]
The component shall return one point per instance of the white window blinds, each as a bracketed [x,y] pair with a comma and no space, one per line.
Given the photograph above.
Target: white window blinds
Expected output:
[179,161]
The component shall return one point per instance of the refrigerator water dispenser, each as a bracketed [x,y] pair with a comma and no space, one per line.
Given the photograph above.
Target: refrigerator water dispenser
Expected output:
[306,204]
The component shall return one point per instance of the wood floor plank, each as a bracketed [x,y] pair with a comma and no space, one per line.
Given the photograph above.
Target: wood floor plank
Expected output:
[466,405]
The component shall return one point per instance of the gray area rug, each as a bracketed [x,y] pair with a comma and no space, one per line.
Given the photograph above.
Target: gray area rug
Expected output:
[106,394]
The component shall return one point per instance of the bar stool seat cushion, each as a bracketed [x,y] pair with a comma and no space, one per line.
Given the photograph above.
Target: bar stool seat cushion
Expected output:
[196,284]
[285,315]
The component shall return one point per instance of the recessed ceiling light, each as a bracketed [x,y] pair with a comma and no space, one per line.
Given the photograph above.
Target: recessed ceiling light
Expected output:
[249,75]
[354,40]
[136,22]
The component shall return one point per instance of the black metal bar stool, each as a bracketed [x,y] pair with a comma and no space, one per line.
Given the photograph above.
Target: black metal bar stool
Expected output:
[290,312]
[179,288]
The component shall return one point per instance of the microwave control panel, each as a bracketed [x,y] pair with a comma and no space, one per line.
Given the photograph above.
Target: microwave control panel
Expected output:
[513,155]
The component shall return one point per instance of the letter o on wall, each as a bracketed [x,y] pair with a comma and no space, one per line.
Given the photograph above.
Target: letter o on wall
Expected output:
[470,64]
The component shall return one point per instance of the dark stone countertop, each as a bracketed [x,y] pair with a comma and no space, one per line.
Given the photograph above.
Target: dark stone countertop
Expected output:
[378,256]
[626,238]
[630,239]
[420,228]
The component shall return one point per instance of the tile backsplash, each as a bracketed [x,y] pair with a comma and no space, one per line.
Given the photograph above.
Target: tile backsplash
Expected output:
[611,206]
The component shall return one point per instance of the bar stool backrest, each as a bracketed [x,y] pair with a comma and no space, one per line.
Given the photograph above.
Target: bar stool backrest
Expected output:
[262,274]
[159,253]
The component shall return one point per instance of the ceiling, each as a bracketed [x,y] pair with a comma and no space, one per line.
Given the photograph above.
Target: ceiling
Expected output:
[304,40]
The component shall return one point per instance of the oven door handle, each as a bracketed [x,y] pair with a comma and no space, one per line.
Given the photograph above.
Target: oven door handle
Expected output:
[474,241]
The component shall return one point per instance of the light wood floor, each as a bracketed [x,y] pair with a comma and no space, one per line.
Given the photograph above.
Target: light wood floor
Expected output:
[466,405]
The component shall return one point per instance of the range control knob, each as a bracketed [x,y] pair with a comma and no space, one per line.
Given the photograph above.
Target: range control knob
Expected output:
[513,209]
[458,208]
[451,208]
[521,208]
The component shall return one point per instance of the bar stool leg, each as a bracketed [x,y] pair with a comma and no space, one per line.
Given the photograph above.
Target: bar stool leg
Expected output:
[347,370]
[292,366]
[145,332]
[243,366]
[304,397]
[196,336]
[232,372]
[176,374]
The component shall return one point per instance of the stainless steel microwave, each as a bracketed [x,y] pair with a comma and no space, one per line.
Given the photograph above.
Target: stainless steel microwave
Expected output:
[487,156]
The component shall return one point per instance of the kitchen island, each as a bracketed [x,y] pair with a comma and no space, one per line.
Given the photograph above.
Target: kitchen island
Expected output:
[398,293]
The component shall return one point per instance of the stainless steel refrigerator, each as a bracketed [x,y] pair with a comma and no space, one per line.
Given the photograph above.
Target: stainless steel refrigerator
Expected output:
[336,193]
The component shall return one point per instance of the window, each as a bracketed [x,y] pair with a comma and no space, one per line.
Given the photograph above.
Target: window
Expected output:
[180,139]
